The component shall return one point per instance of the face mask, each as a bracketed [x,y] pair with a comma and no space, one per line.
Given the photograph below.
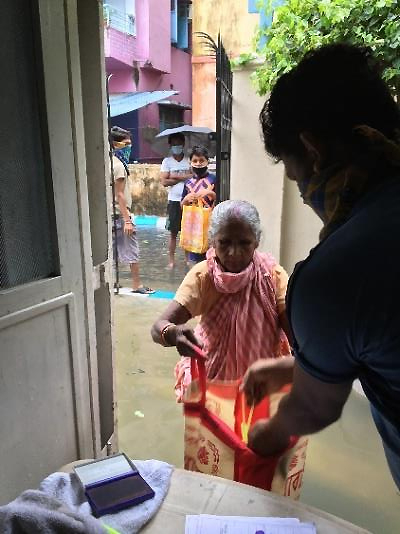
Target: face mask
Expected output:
[320,196]
[177,150]
[200,171]
[124,153]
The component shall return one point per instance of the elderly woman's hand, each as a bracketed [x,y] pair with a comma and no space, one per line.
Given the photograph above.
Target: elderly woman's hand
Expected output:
[183,337]
[267,376]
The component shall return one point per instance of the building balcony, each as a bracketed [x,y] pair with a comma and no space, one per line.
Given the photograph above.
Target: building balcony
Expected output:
[119,20]
[120,43]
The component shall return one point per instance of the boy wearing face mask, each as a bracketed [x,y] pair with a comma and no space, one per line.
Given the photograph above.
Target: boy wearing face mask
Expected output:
[201,185]
[175,169]
[125,230]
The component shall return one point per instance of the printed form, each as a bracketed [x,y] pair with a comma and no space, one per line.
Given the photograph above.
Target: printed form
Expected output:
[212,524]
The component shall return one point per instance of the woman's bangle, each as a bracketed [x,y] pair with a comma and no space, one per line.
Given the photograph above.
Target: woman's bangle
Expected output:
[163,333]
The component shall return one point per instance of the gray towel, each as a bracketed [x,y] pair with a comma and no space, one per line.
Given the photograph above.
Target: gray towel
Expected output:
[34,512]
[67,489]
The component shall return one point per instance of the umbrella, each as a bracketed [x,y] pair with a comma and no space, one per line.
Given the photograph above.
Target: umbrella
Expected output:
[194,135]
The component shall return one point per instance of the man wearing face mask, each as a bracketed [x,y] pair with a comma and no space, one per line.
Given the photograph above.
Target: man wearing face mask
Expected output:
[175,169]
[335,125]
[125,233]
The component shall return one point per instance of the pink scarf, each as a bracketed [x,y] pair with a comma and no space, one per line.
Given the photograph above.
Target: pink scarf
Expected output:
[243,326]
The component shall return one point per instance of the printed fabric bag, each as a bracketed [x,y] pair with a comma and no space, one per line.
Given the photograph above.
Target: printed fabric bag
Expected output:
[194,227]
[217,420]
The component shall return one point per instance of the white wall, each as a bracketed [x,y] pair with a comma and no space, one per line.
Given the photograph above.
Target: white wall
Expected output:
[254,177]
[290,228]
[300,227]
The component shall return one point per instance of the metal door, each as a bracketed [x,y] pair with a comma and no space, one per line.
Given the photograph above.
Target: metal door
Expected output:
[49,402]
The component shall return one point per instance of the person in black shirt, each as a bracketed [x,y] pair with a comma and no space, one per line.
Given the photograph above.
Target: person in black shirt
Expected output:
[334,124]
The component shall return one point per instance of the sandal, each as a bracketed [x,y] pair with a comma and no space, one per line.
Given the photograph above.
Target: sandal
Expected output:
[149,290]
[143,290]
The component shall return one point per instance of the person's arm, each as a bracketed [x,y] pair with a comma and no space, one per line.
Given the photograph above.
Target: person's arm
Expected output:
[176,332]
[267,376]
[310,406]
[120,196]
[165,179]
[187,196]
[188,199]
[281,281]
[208,193]
[169,178]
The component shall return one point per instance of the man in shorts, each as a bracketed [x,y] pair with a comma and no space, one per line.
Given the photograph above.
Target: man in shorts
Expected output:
[125,230]
[175,169]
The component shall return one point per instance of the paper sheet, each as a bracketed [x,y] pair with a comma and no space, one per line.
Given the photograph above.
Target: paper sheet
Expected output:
[211,524]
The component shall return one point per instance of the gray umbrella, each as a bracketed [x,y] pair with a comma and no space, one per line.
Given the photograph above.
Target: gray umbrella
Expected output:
[194,135]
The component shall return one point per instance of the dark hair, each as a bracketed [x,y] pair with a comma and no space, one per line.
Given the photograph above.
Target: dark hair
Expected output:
[178,136]
[332,89]
[198,151]
[119,134]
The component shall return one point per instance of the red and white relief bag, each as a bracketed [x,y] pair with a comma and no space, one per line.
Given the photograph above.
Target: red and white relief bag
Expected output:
[216,421]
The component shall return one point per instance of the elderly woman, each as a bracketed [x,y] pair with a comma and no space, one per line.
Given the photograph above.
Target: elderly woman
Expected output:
[335,125]
[239,294]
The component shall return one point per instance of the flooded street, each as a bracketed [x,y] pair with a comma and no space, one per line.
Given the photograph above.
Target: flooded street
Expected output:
[154,260]
[346,472]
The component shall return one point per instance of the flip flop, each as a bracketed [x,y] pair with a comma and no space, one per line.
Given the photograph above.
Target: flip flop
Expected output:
[143,291]
[149,290]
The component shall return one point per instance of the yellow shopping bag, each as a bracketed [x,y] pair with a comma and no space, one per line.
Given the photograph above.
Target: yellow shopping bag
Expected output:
[194,227]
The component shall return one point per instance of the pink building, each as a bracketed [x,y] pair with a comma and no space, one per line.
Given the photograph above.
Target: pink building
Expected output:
[147,48]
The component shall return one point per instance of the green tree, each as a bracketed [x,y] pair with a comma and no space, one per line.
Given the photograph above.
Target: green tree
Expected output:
[300,25]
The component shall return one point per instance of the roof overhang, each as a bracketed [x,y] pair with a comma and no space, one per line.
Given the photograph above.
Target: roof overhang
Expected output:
[172,103]
[122,103]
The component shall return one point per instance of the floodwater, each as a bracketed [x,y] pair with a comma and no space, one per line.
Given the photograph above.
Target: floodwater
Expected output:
[154,261]
[346,472]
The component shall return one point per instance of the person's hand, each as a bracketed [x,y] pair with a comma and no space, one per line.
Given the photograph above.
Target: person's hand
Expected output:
[183,337]
[129,227]
[206,191]
[266,440]
[190,197]
[266,376]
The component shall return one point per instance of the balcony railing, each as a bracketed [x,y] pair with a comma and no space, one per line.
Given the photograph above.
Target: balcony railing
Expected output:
[119,20]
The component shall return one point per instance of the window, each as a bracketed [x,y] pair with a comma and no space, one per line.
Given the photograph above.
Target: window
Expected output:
[180,24]
[170,116]
[28,249]
[120,15]
[183,23]
[174,22]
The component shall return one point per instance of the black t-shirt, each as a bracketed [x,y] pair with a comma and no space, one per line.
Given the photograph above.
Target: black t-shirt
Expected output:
[343,302]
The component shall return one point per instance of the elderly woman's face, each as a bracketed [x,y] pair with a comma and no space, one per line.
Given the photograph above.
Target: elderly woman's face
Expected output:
[234,245]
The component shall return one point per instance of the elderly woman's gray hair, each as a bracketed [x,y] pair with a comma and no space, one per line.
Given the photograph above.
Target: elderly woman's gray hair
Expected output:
[234,210]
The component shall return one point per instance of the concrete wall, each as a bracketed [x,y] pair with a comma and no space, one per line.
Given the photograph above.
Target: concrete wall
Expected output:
[203,103]
[237,27]
[160,34]
[300,227]
[290,228]
[253,176]
[179,79]
[150,63]
[153,31]
[120,49]
[148,195]
[231,18]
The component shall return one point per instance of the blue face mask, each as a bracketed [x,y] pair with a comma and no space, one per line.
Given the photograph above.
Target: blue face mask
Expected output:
[124,153]
[177,150]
